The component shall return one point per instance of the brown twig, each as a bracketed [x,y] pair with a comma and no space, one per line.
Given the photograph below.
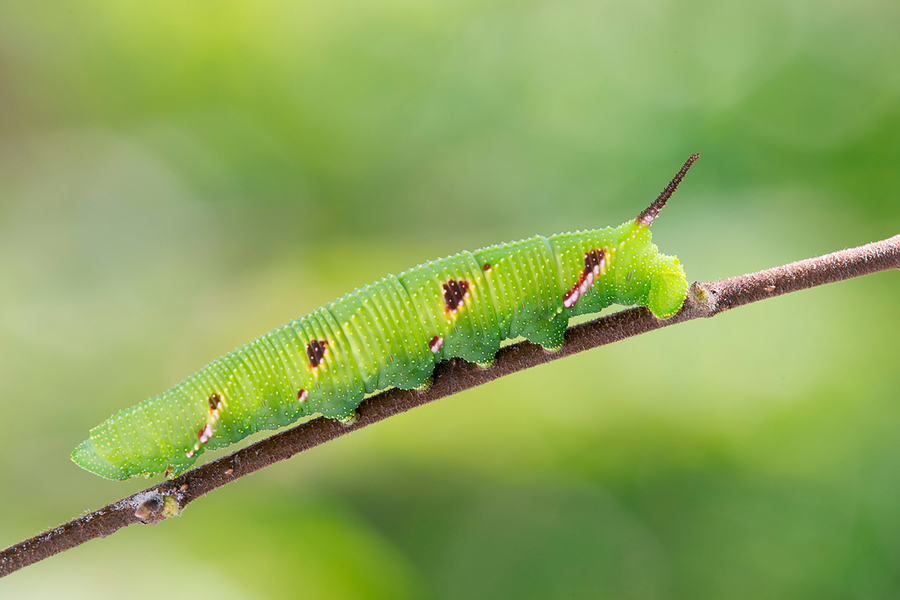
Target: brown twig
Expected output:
[704,300]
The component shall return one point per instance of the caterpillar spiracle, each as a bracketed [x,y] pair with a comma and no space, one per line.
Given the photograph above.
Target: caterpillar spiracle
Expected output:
[391,334]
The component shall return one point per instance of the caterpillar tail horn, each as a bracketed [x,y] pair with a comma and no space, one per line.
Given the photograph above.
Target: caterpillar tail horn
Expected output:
[648,214]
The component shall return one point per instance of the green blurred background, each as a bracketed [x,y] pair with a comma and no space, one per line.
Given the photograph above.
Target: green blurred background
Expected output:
[178,177]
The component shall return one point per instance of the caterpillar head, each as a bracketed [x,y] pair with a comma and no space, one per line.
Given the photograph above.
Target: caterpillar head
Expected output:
[87,456]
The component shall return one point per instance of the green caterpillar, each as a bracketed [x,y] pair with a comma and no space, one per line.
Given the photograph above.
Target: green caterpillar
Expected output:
[391,334]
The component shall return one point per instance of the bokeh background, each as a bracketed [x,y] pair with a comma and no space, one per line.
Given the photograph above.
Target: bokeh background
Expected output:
[177,178]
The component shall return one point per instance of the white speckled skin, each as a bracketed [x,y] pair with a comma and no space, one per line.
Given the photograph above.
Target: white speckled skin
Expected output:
[389,333]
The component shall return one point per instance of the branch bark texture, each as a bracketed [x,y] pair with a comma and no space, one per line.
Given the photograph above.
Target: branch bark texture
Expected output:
[704,300]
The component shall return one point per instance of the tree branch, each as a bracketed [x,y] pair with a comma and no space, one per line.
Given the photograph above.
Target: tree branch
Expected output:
[704,300]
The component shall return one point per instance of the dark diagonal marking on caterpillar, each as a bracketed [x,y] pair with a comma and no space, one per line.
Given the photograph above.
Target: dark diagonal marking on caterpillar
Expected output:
[594,265]
[455,292]
[215,405]
[315,351]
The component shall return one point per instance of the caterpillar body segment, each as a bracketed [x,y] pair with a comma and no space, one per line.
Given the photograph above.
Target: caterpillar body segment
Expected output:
[451,298]
[385,335]
[524,283]
[391,333]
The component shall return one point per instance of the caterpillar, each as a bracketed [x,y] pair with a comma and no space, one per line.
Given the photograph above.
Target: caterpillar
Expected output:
[391,334]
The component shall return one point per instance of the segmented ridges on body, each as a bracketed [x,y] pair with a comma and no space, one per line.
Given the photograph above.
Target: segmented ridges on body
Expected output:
[526,266]
[267,383]
[369,337]
[289,366]
[410,330]
[481,289]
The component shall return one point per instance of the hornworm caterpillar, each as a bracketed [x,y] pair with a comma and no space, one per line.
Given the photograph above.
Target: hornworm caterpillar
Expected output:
[391,334]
